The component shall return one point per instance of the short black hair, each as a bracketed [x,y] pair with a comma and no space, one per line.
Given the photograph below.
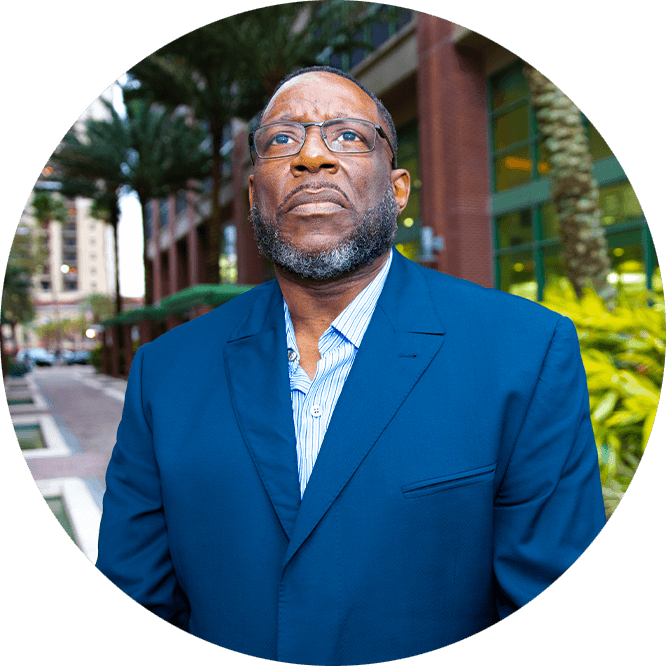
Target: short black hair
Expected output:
[383,112]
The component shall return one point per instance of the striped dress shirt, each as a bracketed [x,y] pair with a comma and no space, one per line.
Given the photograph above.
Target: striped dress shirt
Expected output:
[313,401]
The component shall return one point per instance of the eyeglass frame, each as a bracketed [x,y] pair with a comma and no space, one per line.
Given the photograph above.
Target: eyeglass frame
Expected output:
[378,130]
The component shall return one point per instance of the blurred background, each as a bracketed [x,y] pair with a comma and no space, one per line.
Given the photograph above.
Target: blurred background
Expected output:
[512,188]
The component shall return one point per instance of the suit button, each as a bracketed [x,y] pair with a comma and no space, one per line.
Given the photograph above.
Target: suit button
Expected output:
[316,411]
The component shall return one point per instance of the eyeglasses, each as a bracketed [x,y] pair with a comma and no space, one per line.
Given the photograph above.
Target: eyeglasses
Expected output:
[341,135]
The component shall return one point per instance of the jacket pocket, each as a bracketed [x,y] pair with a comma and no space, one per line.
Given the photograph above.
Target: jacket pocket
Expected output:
[441,483]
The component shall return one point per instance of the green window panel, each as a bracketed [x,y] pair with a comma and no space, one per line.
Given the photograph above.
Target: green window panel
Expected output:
[526,231]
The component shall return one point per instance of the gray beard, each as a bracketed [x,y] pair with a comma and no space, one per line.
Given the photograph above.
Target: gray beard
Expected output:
[373,235]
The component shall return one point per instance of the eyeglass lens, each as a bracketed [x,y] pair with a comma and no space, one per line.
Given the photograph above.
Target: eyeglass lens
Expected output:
[341,135]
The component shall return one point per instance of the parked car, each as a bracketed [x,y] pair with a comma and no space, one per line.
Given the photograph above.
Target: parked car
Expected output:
[64,355]
[23,357]
[41,356]
[79,357]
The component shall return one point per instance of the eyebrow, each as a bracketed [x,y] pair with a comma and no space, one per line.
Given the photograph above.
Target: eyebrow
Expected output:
[290,118]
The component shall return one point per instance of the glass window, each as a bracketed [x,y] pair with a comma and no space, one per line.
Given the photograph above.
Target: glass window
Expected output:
[527,249]
[408,236]
[550,225]
[148,219]
[619,203]
[181,202]
[513,169]
[228,262]
[509,86]
[514,229]
[598,147]
[357,54]
[164,212]
[379,33]
[517,274]
[552,264]
[628,267]
[511,127]
[512,121]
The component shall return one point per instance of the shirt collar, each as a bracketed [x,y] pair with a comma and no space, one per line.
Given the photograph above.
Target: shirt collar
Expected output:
[355,318]
[353,321]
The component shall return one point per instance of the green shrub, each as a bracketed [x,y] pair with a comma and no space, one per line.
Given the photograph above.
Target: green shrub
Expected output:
[96,357]
[623,355]
[17,368]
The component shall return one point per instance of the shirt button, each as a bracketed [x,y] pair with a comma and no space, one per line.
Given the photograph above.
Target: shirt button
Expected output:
[316,411]
[292,355]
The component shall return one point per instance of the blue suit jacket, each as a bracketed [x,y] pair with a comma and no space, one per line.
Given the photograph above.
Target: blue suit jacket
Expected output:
[458,477]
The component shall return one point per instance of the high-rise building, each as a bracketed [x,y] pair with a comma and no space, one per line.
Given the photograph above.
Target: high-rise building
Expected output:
[78,260]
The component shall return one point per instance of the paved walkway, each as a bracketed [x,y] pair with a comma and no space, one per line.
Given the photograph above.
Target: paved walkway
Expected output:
[86,408]
[76,413]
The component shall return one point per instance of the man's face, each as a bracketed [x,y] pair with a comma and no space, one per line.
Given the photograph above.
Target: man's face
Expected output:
[321,214]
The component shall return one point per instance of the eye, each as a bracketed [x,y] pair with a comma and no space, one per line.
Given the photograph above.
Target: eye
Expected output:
[277,139]
[280,139]
[350,136]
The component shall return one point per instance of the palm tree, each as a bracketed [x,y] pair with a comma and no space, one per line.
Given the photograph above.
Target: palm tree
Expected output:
[273,41]
[91,166]
[166,153]
[573,188]
[195,72]
[17,305]
[151,151]
[229,69]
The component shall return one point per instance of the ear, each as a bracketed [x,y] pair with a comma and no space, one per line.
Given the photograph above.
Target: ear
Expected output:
[250,188]
[401,184]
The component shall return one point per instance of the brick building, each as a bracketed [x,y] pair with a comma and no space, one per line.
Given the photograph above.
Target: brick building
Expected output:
[480,206]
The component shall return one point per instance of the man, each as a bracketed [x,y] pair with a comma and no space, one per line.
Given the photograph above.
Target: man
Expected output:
[363,460]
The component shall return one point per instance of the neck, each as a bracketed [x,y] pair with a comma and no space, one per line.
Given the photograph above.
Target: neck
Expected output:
[314,304]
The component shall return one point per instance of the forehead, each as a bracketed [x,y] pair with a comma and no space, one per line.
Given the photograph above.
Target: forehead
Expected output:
[316,96]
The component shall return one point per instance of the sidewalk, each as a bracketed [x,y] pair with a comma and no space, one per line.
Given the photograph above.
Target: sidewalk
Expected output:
[77,413]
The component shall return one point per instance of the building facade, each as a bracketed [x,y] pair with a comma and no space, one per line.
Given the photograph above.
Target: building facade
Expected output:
[78,258]
[480,207]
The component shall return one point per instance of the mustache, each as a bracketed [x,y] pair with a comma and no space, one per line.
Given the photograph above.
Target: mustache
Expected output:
[316,185]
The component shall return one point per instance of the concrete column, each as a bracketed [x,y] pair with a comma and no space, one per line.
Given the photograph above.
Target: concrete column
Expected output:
[192,244]
[171,248]
[145,331]
[106,356]
[129,353]
[250,262]
[201,309]
[174,320]
[157,265]
[115,351]
[453,136]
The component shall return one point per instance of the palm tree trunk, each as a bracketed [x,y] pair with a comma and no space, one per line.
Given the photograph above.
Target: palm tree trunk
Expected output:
[212,260]
[114,219]
[147,272]
[573,188]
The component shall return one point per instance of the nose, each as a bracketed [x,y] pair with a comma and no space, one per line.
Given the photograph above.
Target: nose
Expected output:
[314,155]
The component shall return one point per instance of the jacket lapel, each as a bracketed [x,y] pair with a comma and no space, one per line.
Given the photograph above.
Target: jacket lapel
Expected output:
[256,366]
[399,344]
